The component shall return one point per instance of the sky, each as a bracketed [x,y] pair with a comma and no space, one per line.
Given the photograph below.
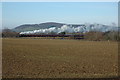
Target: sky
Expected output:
[18,13]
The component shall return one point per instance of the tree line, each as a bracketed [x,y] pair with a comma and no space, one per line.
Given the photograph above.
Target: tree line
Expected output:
[102,36]
[91,36]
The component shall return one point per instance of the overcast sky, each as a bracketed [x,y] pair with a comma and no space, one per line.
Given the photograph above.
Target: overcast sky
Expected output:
[18,13]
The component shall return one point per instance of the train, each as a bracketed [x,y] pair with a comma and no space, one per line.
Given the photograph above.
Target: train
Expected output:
[53,36]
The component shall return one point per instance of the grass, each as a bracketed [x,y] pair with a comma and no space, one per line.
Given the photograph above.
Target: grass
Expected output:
[54,58]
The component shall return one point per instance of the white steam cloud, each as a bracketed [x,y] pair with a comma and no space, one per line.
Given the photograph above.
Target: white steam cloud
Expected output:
[64,28]
[70,29]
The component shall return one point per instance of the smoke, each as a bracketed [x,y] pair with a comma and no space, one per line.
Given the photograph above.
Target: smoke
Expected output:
[71,29]
[64,28]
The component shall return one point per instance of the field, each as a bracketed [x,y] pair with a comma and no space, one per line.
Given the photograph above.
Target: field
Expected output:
[55,58]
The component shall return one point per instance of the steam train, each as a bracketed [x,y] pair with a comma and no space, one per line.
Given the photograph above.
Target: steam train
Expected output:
[53,36]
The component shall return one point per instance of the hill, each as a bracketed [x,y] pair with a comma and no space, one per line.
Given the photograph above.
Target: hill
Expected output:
[30,27]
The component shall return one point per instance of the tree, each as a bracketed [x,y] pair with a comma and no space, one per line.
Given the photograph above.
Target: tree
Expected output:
[9,33]
[94,36]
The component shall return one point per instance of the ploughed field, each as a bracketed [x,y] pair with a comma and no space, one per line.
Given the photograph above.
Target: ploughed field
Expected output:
[55,58]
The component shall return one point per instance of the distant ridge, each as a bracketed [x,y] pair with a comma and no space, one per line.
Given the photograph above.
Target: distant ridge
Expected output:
[30,27]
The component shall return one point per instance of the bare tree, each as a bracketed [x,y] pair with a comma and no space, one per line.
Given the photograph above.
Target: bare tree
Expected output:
[9,33]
